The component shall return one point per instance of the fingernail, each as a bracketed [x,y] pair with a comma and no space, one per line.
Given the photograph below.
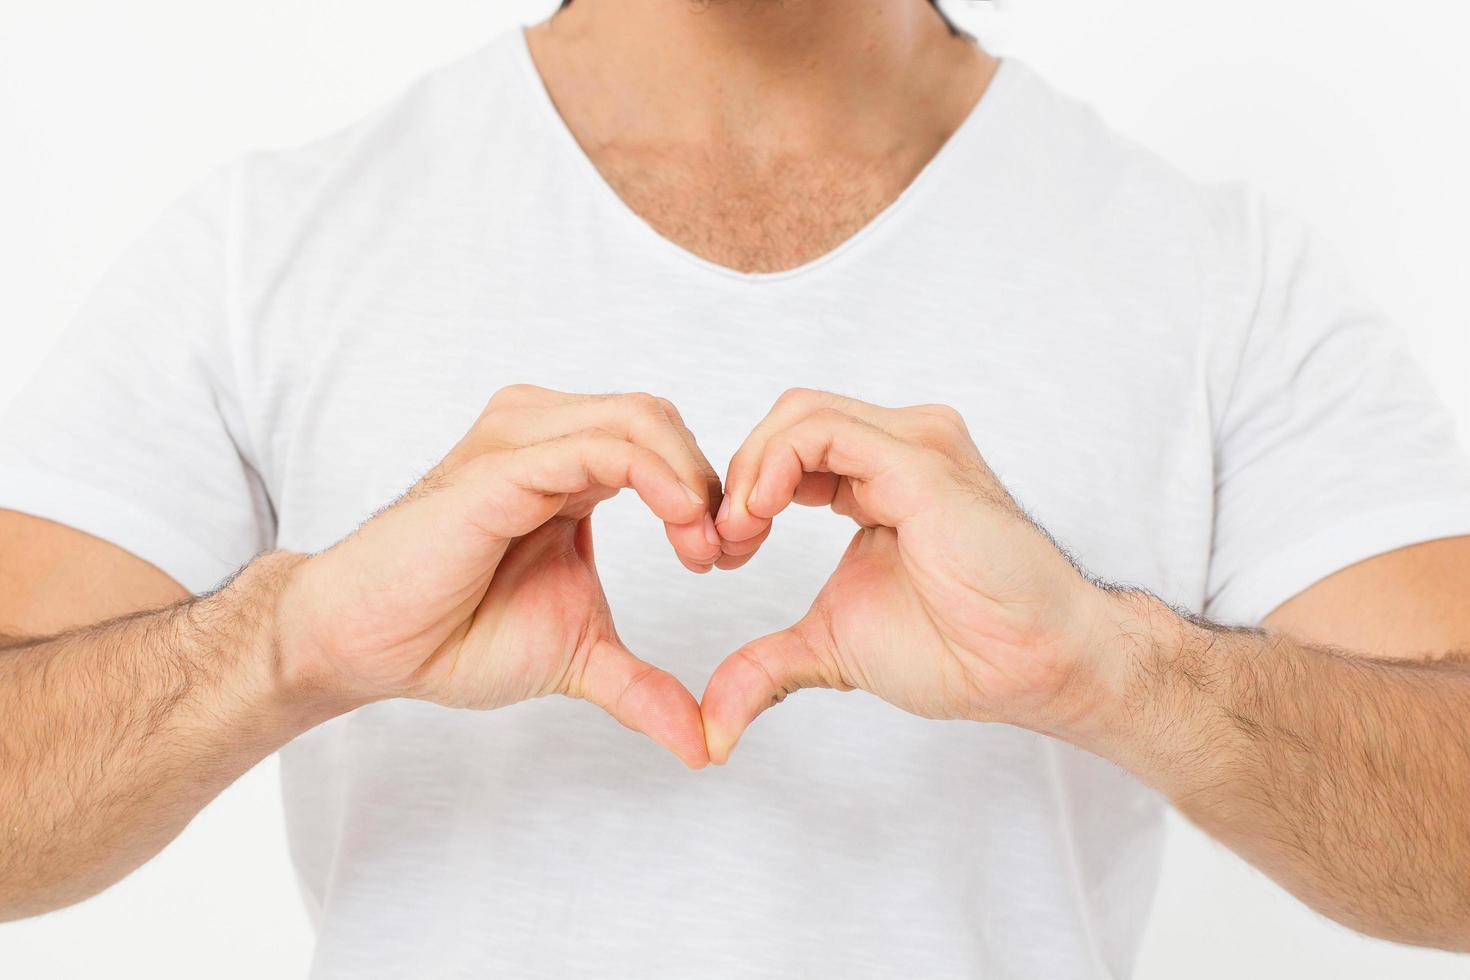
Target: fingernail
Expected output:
[724,510]
[710,534]
[755,493]
[693,494]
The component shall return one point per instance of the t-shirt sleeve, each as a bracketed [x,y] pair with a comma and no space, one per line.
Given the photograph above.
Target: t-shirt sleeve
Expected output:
[1331,447]
[133,430]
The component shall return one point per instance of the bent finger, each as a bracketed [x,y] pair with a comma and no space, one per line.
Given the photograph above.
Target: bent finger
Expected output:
[830,441]
[591,459]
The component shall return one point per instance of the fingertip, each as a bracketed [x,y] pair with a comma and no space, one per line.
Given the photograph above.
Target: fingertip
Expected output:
[696,567]
[697,561]
[715,707]
[756,501]
[684,508]
[732,510]
[741,525]
[746,546]
[767,508]
[691,753]
[724,521]
[692,545]
[719,752]
[697,513]
[688,745]
[646,699]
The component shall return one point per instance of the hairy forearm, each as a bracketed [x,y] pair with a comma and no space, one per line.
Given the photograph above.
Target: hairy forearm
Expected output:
[1347,779]
[115,735]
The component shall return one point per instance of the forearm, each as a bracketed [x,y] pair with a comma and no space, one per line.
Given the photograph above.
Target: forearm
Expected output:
[115,735]
[1346,779]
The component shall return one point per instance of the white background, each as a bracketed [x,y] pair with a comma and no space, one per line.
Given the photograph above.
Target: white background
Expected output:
[1353,112]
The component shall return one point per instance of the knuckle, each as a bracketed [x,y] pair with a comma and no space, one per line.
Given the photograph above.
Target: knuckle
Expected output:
[947,414]
[945,417]
[645,409]
[643,402]
[510,395]
[940,426]
[798,396]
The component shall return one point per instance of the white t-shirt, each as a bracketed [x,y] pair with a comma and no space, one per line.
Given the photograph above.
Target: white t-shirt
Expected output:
[1181,387]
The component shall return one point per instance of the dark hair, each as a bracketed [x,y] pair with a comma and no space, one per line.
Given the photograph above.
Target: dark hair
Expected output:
[933,3]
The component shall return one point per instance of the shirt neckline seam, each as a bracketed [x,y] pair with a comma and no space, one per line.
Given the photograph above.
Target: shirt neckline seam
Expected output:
[975,121]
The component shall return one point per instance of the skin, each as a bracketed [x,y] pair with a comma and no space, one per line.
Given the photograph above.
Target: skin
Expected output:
[763,134]
[1346,776]
[477,589]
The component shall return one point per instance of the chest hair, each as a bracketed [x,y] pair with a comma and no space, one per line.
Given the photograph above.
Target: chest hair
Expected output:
[753,213]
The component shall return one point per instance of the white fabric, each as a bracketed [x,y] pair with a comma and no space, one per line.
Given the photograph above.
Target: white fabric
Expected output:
[1176,383]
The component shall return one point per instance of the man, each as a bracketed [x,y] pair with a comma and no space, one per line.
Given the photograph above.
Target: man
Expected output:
[725,208]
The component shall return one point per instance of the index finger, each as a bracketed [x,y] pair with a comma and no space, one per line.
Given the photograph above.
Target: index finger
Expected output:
[878,466]
[736,522]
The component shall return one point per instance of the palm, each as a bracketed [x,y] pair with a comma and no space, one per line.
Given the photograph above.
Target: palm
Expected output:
[543,617]
[419,619]
[899,622]
[879,634]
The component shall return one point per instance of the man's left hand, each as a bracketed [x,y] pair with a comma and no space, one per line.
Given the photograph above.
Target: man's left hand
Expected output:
[949,602]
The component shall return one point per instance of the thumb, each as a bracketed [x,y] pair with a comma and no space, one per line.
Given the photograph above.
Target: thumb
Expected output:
[756,677]
[646,699]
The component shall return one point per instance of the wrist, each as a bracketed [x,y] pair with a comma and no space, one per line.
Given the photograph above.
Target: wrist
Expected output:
[1135,693]
[1164,686]
[260,607]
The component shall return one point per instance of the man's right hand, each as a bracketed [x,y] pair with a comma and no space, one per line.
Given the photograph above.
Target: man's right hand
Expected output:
[477,589]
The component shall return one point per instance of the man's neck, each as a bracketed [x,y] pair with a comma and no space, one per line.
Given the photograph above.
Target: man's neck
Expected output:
[758,134]
[761,74]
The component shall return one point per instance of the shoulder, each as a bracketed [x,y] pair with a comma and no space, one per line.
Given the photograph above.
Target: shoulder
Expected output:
[1100,176]
[1204,257]
[432,130]
[1104,213]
